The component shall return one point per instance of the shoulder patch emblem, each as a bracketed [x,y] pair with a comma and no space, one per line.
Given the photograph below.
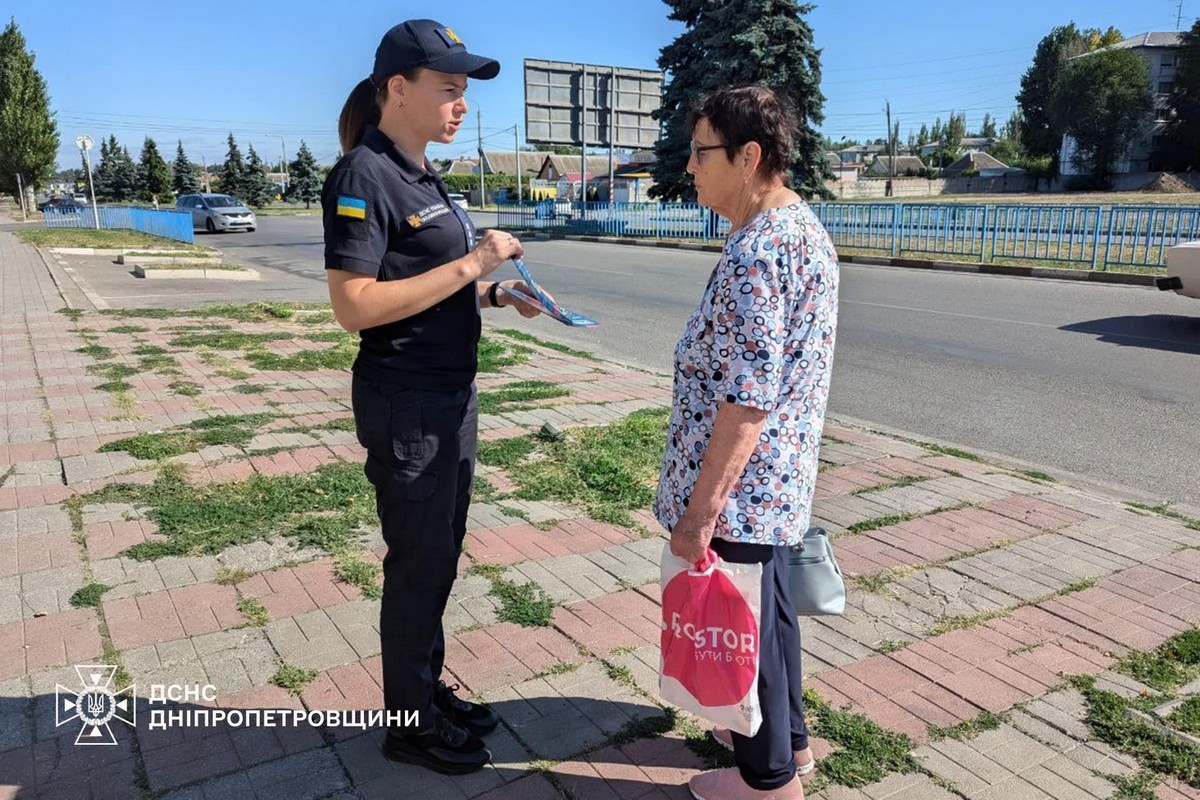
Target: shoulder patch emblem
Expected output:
[349,206]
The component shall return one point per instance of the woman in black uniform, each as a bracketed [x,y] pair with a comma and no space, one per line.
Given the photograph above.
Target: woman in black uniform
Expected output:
[404,270]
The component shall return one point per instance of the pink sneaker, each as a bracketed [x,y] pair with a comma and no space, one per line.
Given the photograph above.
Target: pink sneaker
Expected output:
[727,784]
[804,758]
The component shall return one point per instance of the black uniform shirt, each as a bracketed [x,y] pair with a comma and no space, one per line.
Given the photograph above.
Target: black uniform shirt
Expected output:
[387,218]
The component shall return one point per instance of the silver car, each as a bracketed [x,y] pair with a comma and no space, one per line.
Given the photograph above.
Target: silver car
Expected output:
[217,212]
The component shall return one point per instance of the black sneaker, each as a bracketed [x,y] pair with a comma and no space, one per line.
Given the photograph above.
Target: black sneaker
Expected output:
[475,717]
[447,748]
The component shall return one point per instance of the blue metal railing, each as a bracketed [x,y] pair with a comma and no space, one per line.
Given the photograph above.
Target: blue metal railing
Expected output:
[1100,237]
[168,224]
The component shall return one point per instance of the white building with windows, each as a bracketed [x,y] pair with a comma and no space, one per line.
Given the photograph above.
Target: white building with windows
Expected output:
[1161,50]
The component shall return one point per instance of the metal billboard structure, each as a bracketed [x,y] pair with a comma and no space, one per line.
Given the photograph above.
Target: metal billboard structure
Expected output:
[588,104]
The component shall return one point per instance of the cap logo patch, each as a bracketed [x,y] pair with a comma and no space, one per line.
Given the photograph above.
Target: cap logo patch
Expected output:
[449,37]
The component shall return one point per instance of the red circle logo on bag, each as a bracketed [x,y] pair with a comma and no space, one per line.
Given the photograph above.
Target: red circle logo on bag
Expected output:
[709,638]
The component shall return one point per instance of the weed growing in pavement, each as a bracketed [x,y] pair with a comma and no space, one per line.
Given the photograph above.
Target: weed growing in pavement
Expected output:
[293,678]
[125,329]
[561,668]
[891,645]
[907,480]
[495,355]
[609,471]
[98,352]
[251,388]
[220,430]
[88,595]
[938,449]
[526,603]
[1166,511]
[521,336]
[231,576]
[868,754]
[185,388]
[351,568]
[969,729]
[896,519]
[1172,664]
[495,400]
[254,611]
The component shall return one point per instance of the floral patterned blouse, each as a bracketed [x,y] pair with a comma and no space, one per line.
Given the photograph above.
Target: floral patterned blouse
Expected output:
[763,337]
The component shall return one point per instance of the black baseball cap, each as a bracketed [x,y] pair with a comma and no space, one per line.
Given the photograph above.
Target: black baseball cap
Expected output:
[429,44]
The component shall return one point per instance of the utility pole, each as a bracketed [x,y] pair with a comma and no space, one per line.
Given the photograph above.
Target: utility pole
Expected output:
[612,115]
[204,168]
[1179,17]
[517,152]
[479,133]
[891,150]
[21,197]
[583,147]
[84,142]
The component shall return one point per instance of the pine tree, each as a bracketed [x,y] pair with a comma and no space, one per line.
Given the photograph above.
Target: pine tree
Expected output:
[257,189]
[183,174]
[233,171]
[923,136]
[28,133]
[154,174]
[125,177]
[305,181]
[732,43]
[103,168]
[988,129]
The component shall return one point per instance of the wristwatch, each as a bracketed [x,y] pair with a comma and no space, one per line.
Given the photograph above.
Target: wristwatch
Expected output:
[492,298]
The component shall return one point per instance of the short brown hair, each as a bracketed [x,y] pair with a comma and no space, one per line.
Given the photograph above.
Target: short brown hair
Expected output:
[750,114]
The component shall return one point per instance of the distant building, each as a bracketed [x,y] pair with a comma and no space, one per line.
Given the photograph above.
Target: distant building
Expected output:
[905,166]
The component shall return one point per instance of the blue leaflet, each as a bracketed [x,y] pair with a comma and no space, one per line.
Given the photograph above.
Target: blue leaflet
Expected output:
[546,304]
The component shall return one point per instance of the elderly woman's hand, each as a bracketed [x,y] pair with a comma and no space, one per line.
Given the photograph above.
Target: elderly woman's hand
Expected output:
[691,536]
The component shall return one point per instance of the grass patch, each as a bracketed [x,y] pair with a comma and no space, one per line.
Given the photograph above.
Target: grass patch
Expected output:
[938,449]
[521,336]
[185,388]
[523,603]
[90,237]
[1154,750]
[869,753]
[495,355]
[891,646]
[254,611]
[987,721]
[233,373]
[72,314]
[219,430]
[338,357]
[114,372]
[489,571]
[896,519]
[293,678]
[352,569]
[609,471]
[505,453]
[88,595]
[1139,786]
[251,388]
[231,576]
[493,401]
[482,490]
[963,621]
[226,339]
[204,520]
[878,582]
[159,363]
[96,351]
[1164,510]
[561,668]
[1037,476]
[1167,667]
[907,480]
[1186,717]
[333,533]
[148,350]
[114,387]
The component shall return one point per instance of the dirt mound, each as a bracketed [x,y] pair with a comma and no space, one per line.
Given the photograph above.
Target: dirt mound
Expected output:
[1167,184]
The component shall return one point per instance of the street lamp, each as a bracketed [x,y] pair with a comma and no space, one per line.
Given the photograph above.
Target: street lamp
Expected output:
[84,143]
[283,158]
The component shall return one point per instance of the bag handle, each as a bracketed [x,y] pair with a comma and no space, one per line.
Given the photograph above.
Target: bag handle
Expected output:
[706,565]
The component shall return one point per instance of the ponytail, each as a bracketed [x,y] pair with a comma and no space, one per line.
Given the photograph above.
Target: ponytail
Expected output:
[361,109]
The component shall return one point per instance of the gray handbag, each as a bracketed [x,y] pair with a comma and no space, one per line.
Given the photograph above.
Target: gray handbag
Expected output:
[815,578]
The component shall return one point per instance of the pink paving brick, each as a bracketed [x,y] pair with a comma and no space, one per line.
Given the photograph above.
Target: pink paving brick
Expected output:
[505,654]
[1174,789]
[623,619]
[107,539]
[173,614]
[286,592]
[36,552]
[68,637]
[1036,512]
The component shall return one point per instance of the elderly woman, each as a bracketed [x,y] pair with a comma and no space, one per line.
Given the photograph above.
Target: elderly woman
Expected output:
[752,377]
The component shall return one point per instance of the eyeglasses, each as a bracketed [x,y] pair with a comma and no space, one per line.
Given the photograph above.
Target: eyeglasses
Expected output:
[696,150]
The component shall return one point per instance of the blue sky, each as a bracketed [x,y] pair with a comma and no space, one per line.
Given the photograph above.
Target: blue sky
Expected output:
[276,72]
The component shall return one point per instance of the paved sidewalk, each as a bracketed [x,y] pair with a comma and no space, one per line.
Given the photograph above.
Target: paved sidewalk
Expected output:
[977,589]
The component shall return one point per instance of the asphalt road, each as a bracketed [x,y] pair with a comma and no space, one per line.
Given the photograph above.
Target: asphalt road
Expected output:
[1099,381]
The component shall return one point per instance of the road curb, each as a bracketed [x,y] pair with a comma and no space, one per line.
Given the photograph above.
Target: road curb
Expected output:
[1045,273]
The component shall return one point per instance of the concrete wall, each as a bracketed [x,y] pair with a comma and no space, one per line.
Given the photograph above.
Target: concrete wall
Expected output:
[1008,184]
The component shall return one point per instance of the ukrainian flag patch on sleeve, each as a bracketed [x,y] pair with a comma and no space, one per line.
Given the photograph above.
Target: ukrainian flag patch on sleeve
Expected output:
[349,206]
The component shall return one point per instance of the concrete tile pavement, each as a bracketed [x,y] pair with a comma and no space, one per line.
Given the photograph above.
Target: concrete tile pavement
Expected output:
[574,696]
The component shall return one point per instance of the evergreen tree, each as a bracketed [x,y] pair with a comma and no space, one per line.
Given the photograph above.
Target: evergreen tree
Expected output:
[125,177]
[183,173]
[233,171]
[988,129]
[936,135]
[1183,128]
[102,169]
[923,136]
[257,189]
[154,175]
[733,43]
[305,183]
[28,133]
